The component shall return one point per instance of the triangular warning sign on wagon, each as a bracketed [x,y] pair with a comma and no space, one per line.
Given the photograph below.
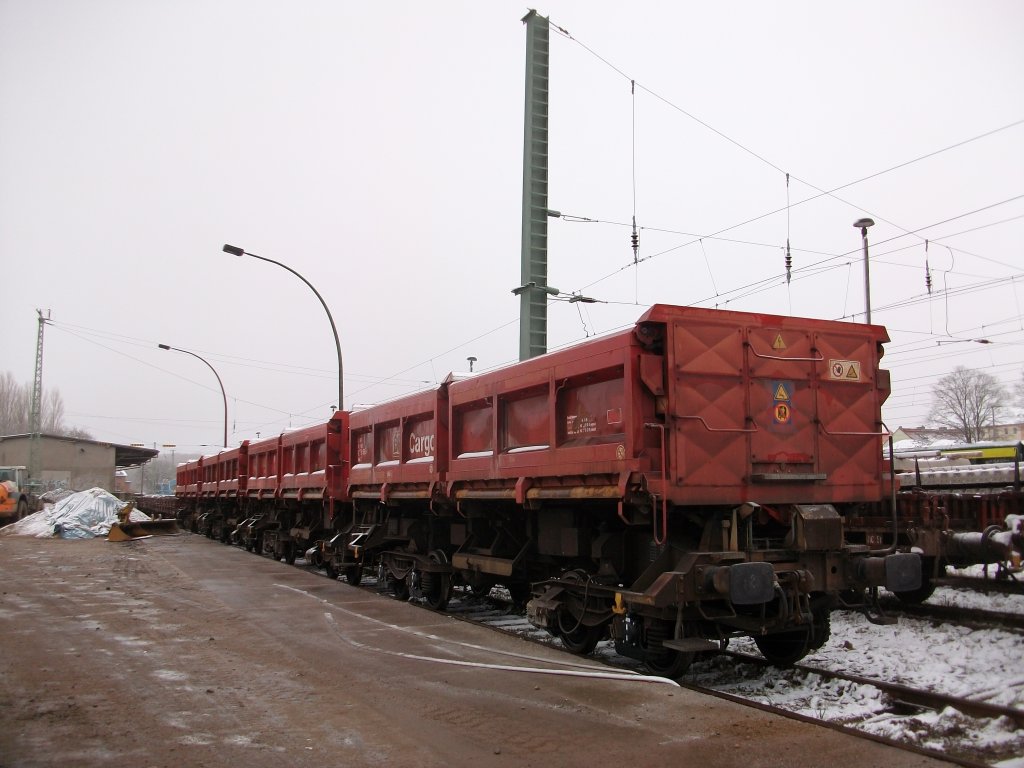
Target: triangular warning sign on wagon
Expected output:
[853,373]
[781,393]
[778,343]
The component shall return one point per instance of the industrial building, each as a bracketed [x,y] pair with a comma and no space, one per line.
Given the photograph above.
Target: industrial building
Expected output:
[73,462]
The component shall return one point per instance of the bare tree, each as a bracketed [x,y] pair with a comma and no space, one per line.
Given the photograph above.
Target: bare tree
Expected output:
[16,410]
[15,405]
[967,400]
[52,416]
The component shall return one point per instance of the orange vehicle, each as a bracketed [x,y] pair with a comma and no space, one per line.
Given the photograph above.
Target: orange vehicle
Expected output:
[15,500]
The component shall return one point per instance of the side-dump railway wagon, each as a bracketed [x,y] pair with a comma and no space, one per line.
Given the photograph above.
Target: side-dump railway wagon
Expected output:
[673,485]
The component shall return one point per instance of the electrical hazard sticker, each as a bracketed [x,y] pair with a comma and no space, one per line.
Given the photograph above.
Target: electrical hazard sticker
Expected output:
[844,370]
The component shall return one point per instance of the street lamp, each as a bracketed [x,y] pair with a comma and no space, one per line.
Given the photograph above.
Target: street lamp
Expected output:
[222,394]
[863,224]
[234,250]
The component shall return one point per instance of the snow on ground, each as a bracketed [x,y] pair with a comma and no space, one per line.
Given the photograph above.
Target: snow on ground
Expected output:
[983,664]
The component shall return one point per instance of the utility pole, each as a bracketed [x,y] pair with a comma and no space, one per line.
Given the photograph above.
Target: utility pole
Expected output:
[36,418]
[533,303]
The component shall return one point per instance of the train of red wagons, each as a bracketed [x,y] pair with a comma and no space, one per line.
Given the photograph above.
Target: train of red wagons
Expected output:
[670,486]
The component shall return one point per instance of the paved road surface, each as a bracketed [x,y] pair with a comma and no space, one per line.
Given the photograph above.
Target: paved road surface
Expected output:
[179,651]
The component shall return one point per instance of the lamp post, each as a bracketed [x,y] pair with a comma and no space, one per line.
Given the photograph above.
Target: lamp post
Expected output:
[222,393]
[234,250]
[863,224]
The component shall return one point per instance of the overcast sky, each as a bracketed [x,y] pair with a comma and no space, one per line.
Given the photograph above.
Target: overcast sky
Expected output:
[376,148]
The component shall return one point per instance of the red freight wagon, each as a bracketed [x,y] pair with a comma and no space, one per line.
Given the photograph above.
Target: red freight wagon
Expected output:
[678,482]
[312,465]
[188,473]
[311,476]
[399,450]
[208,477]
[263,462]
[697,406]
[232,471]
[224,478]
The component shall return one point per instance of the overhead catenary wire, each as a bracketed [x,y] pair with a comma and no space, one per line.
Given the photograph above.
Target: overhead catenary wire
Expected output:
[821,192]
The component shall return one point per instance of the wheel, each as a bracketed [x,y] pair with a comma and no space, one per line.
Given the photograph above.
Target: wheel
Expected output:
[250,545]
[821,629]
[22,509]
[481,588]
[785,648]
[353,574]
[289,553]
[669,663]
[919,595]
[332,572]
[581,640]
[400,588]
[662,661]
[520,592]
[437,586]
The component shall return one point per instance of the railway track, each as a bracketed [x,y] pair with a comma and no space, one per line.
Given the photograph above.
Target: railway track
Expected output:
[894,713]
[970,617]
[901,695]
[751,681]
[1003,586]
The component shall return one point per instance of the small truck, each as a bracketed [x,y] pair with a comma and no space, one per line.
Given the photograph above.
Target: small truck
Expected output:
[16,499]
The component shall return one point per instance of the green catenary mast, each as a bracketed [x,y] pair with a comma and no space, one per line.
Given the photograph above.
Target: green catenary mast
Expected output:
[533,291]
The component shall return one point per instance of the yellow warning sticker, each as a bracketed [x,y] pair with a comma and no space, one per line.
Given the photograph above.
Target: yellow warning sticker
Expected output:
[847,370]
[778,343]
[782,414]
[781,393]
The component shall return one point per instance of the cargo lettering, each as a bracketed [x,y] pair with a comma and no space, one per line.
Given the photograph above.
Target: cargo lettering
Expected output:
[423,446]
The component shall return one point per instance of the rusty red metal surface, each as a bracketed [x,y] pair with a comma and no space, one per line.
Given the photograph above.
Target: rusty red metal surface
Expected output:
[770,408]
[230,471]
[264,457]
[750,406]
[311,461]
[188,479]
[400,447]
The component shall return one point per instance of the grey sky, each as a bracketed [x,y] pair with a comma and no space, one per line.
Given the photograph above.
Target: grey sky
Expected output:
[376,148]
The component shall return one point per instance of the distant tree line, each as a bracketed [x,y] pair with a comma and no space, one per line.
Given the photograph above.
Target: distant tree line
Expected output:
[16,410]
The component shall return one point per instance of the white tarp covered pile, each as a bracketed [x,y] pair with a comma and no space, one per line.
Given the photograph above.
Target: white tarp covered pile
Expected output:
[82,515]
